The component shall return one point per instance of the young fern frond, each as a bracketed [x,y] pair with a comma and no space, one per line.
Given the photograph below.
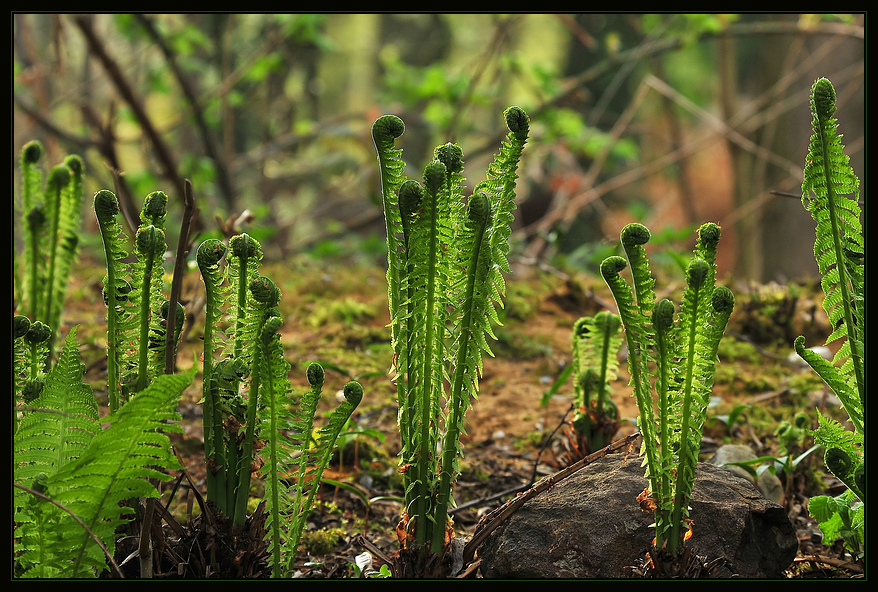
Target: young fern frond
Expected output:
[445,263]
[499,186]
[33,216]
[317,459]
[116,289]
[149,247]
[284,525]
[210,252]
[683,353]
[262,312]
[830,191]
[66,237]
[469,344]
[428,284]
[385,131]
[596,340]
[638,339]
[51,217]
[274,370]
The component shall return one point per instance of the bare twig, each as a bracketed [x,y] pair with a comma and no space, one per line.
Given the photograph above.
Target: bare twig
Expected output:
[177,281]
[162,150]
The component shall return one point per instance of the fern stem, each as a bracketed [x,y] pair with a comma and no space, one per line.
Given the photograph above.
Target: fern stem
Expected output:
[433,176]
[148,239]
[106,208]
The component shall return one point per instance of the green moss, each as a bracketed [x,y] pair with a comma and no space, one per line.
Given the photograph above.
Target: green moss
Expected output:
[323,541]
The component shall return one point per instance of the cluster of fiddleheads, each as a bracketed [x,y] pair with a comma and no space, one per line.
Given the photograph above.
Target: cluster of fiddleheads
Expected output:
[137,311]
[446,256]
[830,191]
[247,401]
[672,365]
[51,215]
[596,342]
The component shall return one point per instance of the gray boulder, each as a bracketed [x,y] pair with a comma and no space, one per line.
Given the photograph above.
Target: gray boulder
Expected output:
[590,525]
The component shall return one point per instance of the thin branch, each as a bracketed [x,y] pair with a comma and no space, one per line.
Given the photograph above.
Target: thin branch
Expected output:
[162,150]
[183,246]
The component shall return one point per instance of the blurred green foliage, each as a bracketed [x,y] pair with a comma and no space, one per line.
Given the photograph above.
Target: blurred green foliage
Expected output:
[271,112]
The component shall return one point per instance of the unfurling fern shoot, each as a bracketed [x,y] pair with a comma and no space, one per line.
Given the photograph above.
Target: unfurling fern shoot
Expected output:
[596,343]
[682,354]
[830,191]
[446,256]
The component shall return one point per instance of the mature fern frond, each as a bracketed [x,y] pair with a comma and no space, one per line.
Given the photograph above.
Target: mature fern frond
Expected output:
[61,421]
[61,451]
[117,466]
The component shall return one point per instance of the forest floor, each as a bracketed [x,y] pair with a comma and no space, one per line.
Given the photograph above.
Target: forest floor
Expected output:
[335,312]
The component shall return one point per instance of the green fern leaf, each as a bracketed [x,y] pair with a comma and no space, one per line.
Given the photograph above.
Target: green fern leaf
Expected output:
[117,466]
[61,423]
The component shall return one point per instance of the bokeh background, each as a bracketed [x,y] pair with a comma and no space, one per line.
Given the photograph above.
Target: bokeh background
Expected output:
[666,119]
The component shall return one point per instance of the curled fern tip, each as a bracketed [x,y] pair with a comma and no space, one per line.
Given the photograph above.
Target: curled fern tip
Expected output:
[697,272]
[32,152]
[611,266]
[315,374]
[723,300]
[353,392]
[106,205]
[824,97]
[635,234]
[663,314]
[517,122]
[451,156]
[387,128]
